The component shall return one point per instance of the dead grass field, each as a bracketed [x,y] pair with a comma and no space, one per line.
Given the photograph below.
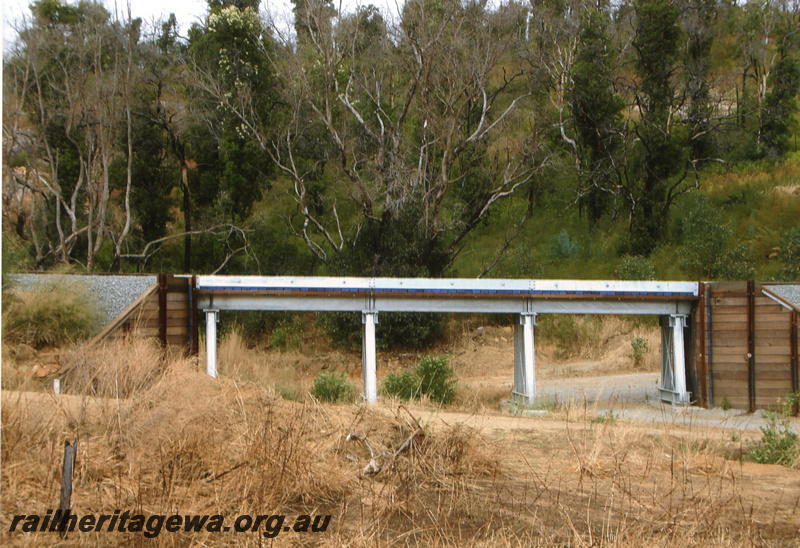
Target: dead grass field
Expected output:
[158,436]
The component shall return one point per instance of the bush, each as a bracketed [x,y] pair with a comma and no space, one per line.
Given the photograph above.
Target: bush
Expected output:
[790,255]
[15,257]
[634,268]
[705,250]
[332,387]
[437,379]
[395,329]
[570,334]
[433,377]
[258,327]
[779,445]
[288,334]
[705,239]
[563,247]
[404,386]
[46,317]
[639,348]
[735,265]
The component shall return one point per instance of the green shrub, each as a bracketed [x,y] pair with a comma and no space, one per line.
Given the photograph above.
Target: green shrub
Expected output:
[395,329]
[735,265]
[15,256]
[437,379]
[605,418]
[791,404]
[570,334]
[404,386]
[563,247]
[778,445]
[790,255]
[705,238]
[258,326]
[433,377]
[288,393]
[288,334]
[332,387]
[50,316]
[639,348]
[705,251]
[634,267]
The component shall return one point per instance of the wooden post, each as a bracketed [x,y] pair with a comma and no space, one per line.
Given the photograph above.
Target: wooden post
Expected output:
[709,357]
[162,308]
[794,360]
[194,318]
[66,479]
[751,344]
[699,324]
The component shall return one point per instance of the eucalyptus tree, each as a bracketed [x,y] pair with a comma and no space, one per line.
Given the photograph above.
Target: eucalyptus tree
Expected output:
[397,140]
[76,66]
[231,87]
[596,110]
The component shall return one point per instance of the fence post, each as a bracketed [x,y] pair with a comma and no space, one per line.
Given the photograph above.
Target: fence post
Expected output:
[66,482]
[751,344]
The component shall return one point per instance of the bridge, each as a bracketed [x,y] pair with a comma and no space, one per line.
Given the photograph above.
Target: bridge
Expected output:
[671,301]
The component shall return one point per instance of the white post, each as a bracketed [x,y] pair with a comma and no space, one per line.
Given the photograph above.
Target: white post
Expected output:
[369,357]
[677,322]
[212,317]
[529,358]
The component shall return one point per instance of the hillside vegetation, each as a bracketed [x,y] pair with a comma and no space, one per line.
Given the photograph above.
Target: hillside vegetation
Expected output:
[571,139]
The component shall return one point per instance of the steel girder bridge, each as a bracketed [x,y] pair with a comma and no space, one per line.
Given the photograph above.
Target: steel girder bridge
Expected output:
[672,301]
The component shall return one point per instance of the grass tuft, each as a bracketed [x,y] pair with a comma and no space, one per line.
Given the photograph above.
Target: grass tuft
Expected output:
[49,316]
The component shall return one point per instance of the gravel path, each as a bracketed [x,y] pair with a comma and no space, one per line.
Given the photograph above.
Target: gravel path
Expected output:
[111,294]
[635,397]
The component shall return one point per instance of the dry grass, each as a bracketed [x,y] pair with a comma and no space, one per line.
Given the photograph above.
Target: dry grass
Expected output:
[480,398]
[158,436]
[53,315]
[289,373]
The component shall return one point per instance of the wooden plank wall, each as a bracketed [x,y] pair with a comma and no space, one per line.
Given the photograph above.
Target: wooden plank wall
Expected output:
[750,348]
[166,315]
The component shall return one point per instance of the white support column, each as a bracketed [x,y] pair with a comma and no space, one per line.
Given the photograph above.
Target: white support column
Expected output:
[528,321]
[212,317]
[369,357]
[525,360]
[677,322]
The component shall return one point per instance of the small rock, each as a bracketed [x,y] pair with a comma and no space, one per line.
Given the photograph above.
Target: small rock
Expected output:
[24,353]
[50,357]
